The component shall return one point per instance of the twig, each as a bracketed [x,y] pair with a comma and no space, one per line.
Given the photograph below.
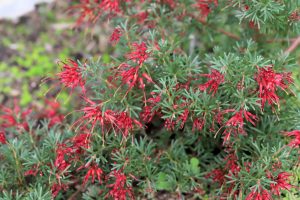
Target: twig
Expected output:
[282,40]
[293,46]
[203,22]
[229,34]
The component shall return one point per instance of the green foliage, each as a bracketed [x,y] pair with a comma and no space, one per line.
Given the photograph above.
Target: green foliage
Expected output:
[176,106]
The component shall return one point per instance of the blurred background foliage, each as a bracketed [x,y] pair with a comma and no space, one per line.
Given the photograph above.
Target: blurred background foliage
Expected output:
[30,48]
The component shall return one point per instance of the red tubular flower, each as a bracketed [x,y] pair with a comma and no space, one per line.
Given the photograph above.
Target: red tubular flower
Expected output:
[237,121]
[204,6]
[14,117]
[71,75]
[51,113]
[139,55]
[295,16]
[147,114]
[130,76]
[94,171]
[81,141]
[119,121]
[260,194]
[268,82]
[119,189]
[218,176]
[198,124]
[110,6]
[216,78]
[231,164]
[183,117]
[124,123]
[33,171]
[141,17]
[2,138]
[281,183]
[92,114]
[60,163]
[56,188]
[295,142]
[87,11]
[170,124]
[115,36]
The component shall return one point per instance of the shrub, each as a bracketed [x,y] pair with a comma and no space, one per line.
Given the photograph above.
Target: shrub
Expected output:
[197,100]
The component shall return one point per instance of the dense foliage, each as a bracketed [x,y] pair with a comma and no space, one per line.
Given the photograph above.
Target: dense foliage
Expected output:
[197,99]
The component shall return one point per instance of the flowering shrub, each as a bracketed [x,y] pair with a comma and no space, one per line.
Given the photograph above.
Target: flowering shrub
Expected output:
[184,107]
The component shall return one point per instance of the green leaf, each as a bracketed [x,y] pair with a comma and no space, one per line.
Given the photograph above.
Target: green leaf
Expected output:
[194,165]
[162,182]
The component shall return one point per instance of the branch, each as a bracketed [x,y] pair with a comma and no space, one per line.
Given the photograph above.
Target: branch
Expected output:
[293,46]
[203,22]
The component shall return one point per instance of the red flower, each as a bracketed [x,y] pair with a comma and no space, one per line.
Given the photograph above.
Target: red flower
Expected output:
[231,164]
[33,171]
[119,121]
[51,113]
[115,36]
[124,123]
[237,119]
[183,117]
[81,141]
[62,152]
[141,17]
[268,82]
[260,194]
[216,78]
[170,124]
[71,75]
[119,189]
[281,183]
[296,140]
[147,114]
[2,137]
[92,114]
[55,188]
[204,7]
[236,122]
[198,124]
[139,55]
[14,117]
[295,16]
[218,176]
[110,5]
[87,10]
[129,76]
[94,171]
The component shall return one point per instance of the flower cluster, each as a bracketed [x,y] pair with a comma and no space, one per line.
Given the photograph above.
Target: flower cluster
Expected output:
[295,142]
[71,75]
[215,79]
[119,189]
[269,81]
